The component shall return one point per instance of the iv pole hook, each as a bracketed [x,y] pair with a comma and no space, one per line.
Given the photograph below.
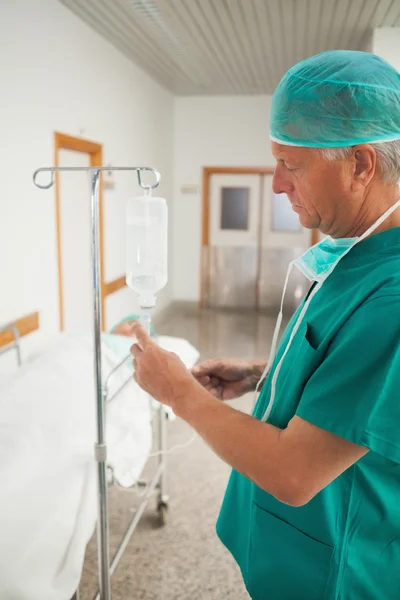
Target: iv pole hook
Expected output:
[53,170]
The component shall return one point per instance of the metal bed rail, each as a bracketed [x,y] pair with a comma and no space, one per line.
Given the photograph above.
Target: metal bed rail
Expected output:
[14,345]
[106,385]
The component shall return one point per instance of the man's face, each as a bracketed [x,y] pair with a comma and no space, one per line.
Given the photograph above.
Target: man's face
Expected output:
[319,190]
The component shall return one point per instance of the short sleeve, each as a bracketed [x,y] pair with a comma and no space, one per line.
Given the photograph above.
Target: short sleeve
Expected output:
[355,392]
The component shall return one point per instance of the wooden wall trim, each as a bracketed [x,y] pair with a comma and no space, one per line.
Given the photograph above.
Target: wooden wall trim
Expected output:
[95,151]
[205,207]
[25,325]
[69,142]
[205,233]
[114,285]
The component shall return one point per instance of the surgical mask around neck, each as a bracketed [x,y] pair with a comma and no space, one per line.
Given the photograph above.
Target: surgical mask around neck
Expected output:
[317,263]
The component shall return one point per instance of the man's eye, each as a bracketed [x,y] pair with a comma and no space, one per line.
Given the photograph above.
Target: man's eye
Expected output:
[291,168]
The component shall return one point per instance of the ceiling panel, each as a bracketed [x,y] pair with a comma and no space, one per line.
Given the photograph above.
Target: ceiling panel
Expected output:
[219,47]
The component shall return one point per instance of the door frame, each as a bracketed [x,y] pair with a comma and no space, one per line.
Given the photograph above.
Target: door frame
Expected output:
[208,172]
[63,141]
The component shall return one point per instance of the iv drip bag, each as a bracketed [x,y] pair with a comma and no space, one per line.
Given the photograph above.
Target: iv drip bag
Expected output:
[146,247]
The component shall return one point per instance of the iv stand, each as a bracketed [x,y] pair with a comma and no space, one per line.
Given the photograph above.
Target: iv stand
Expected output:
[100,449]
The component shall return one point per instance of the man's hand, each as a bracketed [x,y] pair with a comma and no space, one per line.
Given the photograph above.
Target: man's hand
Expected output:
[228,378]
[160,373]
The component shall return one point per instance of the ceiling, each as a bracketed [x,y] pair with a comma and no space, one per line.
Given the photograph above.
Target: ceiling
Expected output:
[219,47]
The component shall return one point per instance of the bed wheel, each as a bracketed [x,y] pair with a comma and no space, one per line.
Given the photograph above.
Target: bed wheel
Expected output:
[162,510]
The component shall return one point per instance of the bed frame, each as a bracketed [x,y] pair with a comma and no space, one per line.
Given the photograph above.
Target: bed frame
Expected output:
[10,340]
[10,333]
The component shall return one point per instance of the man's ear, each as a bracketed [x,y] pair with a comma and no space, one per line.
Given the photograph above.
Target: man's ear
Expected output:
[365,164]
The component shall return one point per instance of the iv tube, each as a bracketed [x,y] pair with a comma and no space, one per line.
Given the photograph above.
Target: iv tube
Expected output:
[145,320]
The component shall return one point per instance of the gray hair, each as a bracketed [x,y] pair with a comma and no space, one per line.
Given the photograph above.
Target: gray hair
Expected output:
[387,155]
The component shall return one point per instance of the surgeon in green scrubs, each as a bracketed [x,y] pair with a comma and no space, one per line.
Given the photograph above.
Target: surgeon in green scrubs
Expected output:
[312,509]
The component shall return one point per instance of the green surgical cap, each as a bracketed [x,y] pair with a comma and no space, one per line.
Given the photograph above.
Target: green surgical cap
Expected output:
[337,98]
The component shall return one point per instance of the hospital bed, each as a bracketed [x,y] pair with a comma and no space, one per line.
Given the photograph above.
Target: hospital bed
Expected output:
[48,491]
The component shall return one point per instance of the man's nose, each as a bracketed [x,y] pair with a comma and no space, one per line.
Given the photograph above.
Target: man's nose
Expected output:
[280,182]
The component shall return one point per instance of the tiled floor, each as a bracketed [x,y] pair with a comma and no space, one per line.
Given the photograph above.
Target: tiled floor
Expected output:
[185,559]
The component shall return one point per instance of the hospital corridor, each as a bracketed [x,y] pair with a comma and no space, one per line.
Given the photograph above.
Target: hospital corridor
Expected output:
[200,300]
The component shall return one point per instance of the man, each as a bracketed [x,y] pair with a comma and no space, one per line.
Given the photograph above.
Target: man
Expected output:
[312,509]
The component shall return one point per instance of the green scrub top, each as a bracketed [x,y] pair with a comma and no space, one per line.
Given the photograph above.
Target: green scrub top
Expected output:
[341,373]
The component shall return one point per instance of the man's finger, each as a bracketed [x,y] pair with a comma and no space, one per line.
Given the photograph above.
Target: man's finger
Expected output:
[202,379]
[202,369]
[217,392]
[136,350]
[141,335]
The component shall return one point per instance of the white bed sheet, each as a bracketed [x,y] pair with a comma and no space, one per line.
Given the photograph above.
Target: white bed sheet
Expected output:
[48,503]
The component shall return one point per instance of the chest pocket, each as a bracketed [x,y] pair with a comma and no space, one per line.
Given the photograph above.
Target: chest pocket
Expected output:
[299,364]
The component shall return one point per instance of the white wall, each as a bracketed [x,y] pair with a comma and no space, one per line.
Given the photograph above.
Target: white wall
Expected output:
[59,75]
[386,44]
[214,131]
